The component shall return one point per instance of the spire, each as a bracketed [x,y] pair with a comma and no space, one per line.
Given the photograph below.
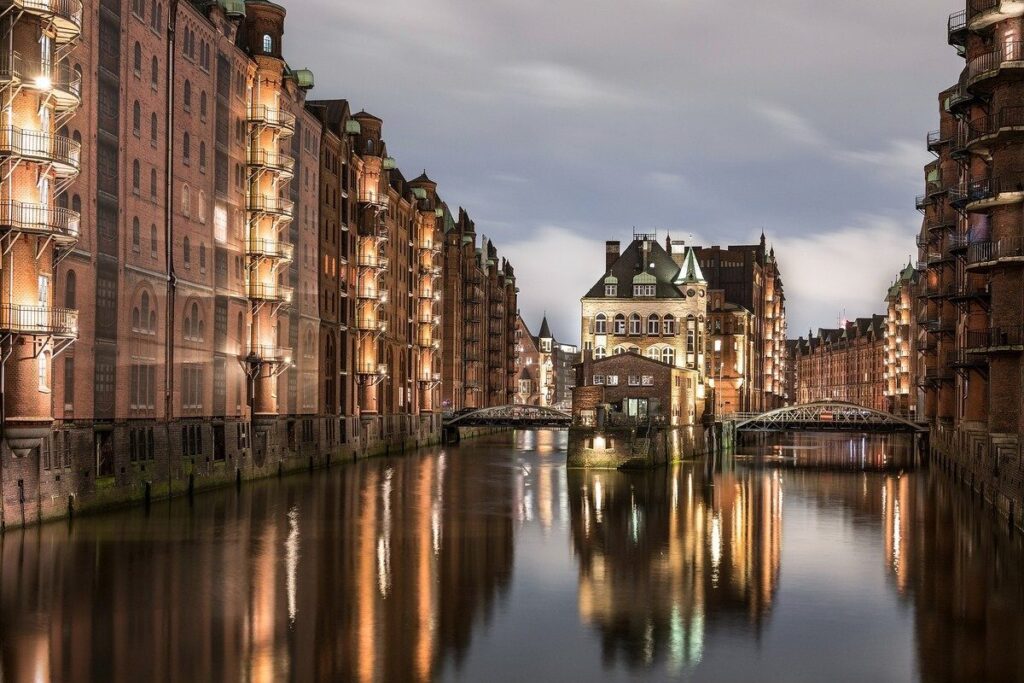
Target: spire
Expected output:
[690,271]
[545,331]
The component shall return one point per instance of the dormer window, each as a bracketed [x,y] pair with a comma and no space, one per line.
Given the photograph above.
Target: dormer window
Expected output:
[644,290]
[268,43]
[611,290]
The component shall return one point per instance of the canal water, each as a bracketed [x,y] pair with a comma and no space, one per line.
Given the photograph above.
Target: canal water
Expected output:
[812,558]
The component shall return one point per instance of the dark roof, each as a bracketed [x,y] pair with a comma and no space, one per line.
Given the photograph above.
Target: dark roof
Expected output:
[631,262]
[545,331]
[363,114]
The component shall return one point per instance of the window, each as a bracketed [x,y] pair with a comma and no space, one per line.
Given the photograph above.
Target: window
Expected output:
[187,253]
[653,324]
[612,380]
[668,325]
[620,324]
[611,290]
[136,119]
[268,43]
[668,355]
[154,72]
[69,383]
[644,290]
[201,207]
[634,323]
[152,184]
[202,105]
[136,238]
[202,156]
[186,201]
[152,129]
[601,324]
[634,381]
[152,240]
[187,97]
[600,352]
[598,380]
[71,290]
[202,258]
[647,380]
[186,149]
[136,176]
[43,365]
[137,62]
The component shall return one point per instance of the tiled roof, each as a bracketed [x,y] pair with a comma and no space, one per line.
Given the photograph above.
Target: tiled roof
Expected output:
[631,263]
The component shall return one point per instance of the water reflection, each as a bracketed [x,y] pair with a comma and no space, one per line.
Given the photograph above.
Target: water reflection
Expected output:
[448,565]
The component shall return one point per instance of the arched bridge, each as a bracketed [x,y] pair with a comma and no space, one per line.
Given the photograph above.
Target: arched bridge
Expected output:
[824,416]
[510,416]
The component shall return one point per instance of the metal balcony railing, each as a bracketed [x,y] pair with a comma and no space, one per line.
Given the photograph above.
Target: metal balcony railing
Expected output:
[39,320]
[374,198]
[282,164]
[956,28]
[270,353]
[274,206]
[63,153]
[372,293]
[379,369]
[987,189]
[66,15]
[57,79]
[373,261]
[270,292]
[980,253]
[1007,118]
[270,248]
[370,325]
[934,140]
[62,224]
[997,338]
[1010,53]
[279,119]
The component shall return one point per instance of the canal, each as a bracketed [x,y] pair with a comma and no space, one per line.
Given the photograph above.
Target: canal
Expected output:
[812,558]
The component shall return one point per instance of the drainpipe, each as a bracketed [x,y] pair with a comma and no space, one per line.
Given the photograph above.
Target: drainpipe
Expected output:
[172,19]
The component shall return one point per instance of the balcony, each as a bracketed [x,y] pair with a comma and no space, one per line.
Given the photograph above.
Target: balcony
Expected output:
[1007,123]
[923,241]
[922,201]
[372,294]
[374,199]
[962,360]
[968,291]
[986,255]
[1008,58]
[935,140]
[997,191]
[983,13]
[59,81]
[270,248]
[64,154]
[429,320]
[39,320]
[996,340]
[373,262]
[271,206]
[281,164]
[944,220]
[960,97]
[36,219]
[431,271]
[268,117]
[937,258]
[371,325]
[956,30]
[372,369]
[66,15]
[958,243]
[271,292]
[270,353]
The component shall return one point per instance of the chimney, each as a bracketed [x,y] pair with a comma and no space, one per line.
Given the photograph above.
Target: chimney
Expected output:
[611,254]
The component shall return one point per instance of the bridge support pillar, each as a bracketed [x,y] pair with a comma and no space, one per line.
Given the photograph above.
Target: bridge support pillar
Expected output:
[450,435]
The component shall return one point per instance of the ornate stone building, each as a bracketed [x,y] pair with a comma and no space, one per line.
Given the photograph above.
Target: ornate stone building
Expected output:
[646,303]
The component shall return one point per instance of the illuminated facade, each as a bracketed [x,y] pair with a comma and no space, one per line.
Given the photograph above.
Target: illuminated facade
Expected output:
[900,375]
[972,255]
[646,303]
[843,364]
[250,282]
[545,368]
[730,354]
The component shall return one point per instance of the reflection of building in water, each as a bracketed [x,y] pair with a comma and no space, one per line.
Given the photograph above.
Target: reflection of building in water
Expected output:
[381,572]
[664,557]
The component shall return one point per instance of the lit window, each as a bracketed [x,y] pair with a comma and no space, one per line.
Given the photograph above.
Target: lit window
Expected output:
[268,43]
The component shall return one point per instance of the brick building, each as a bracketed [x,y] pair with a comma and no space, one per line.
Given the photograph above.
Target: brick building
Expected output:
[901,392]
[731,354]
[243,281]
[480,301]
[647,303]
[545,368]
[972,255]
[750,278]
[843,364]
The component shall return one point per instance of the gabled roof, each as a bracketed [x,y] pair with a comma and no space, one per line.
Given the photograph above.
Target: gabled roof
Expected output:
[690,273]
[631,263]
[545,331]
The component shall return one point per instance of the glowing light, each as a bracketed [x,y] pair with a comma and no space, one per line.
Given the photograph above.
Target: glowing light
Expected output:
[43,82]
[291,545]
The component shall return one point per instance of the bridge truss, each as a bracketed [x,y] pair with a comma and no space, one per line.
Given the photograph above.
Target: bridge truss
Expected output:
[523,416]
[827,416]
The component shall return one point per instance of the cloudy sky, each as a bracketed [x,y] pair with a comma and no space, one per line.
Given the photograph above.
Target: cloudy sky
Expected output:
[559,125]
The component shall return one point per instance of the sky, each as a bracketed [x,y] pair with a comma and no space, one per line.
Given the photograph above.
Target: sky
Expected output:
[559,125]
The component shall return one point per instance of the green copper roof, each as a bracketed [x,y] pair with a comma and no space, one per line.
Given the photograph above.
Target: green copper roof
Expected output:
[304,78]
[419,192]
[611,280]
[690,272]
[233,8]
[389,163]
[352,127]
[644,278]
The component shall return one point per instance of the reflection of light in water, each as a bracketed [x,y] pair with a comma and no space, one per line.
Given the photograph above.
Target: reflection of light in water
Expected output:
[896,534]
[586,512]
[384,539]
[563,497]
[437,504]
[716,547]
[291,545]
[634,520]
[685,648]
[649,642]
[598,499]
[526,440]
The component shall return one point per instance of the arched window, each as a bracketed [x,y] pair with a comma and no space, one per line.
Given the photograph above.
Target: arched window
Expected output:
[268,43]
[76,203]
[144,318]
[187,252]
[634,323]
[136,237]
[201,207]
[153,129]
[154,72]
[599,352]
[601,324]
[653,324]
[152,240]
[188,96]
[71,290]
[136,176]
[202,105]
[152,184]
[668,355]
[186,148]
[202,155]
[202,258]
[619,326]
[668,324]
[137,63]
[186,201]
[691,340]
[136,118]
[159,16]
